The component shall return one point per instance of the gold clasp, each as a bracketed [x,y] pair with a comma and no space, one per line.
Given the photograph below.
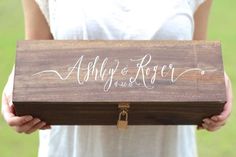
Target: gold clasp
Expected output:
[123,124]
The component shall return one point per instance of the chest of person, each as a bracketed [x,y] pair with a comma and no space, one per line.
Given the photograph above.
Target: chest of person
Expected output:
[122,20]
[119,82]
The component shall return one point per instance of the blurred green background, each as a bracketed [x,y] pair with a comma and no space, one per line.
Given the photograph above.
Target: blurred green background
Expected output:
[222,26]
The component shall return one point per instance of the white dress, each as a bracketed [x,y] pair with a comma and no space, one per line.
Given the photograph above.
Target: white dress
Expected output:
[119,20]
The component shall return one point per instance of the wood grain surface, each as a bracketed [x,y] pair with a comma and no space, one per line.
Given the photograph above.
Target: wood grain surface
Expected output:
[82,82]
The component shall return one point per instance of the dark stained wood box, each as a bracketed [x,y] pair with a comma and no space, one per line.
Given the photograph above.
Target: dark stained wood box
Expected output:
[83,82]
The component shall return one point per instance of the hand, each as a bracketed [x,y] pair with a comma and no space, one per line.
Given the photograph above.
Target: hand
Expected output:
[216,122]
[24,124]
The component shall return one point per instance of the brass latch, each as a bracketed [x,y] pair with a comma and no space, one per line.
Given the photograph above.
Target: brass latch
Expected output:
[122,122]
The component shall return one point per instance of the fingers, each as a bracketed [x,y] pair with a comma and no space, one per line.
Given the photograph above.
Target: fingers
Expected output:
[46,127]
[35,127]
[27,126]
[212,125]
[31,126]
[24,124]
[18,121]
[216,122]
[223,116]
[208,128]
[9,116]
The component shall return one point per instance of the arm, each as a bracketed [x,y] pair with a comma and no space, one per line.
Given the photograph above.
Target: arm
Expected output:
[201,21]
[200,33]
[36,28]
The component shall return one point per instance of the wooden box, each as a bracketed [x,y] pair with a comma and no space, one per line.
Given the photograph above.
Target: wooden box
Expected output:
[98,82]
